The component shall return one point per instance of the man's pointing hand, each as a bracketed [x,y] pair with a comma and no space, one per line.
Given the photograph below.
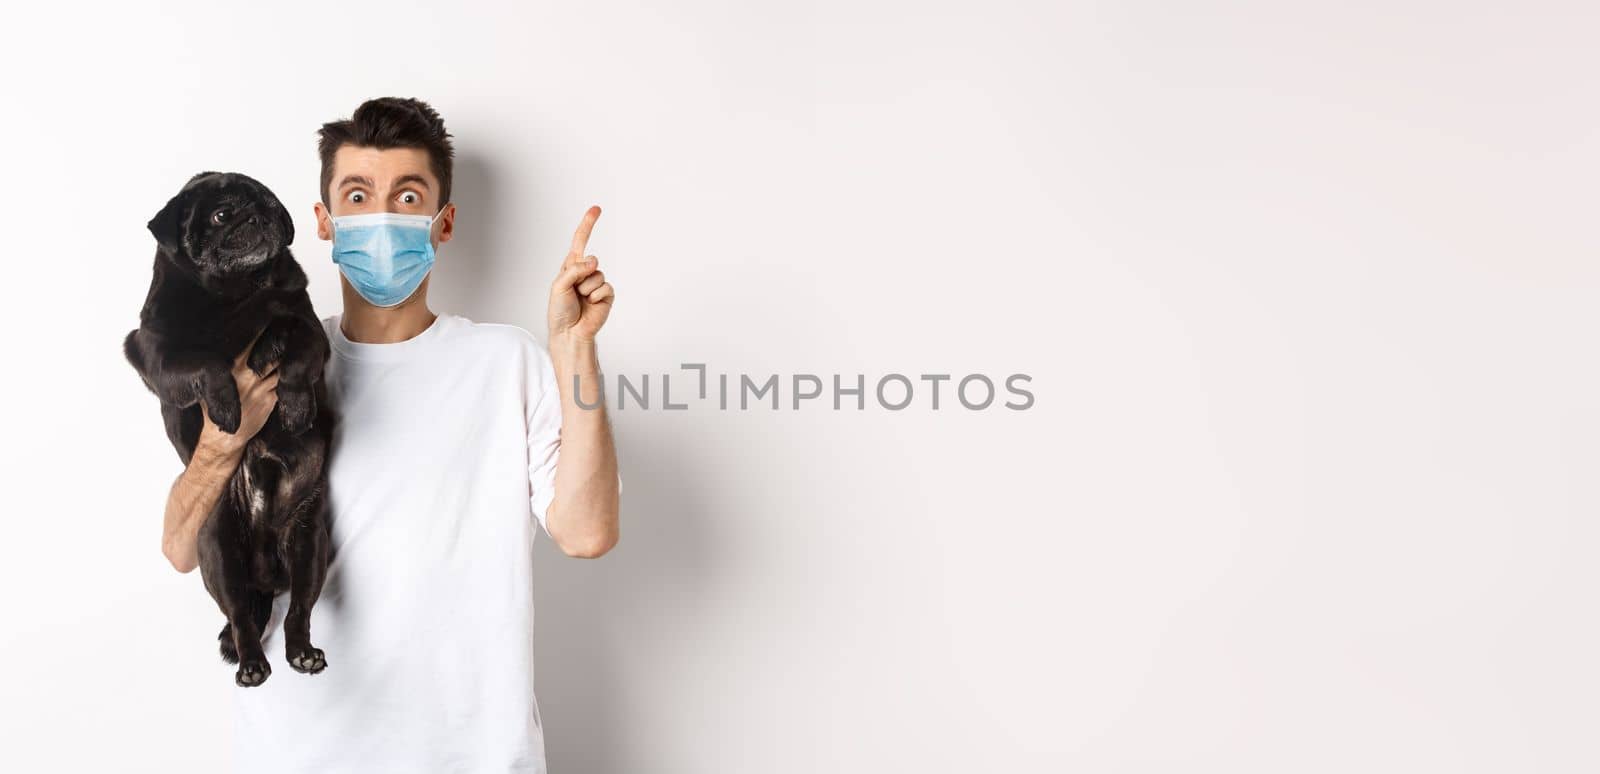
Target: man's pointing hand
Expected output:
[580,299]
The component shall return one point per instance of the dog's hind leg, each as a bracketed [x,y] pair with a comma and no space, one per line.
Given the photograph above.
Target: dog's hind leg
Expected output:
[260,609]
[224,567]
[306,552]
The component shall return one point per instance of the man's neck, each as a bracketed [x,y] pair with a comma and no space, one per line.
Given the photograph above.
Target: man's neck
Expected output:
[364,323]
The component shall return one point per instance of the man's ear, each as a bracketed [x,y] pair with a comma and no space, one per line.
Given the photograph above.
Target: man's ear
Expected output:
[167,225]
[323,232]
[447,225]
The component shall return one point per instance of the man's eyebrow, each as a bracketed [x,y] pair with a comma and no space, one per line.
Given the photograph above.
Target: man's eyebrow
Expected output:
[412,178]
[356,180]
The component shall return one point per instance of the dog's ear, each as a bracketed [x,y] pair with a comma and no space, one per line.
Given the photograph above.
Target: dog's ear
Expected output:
[167,226]
[288,225]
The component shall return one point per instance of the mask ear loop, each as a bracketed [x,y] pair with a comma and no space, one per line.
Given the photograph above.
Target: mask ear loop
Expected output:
[435,220]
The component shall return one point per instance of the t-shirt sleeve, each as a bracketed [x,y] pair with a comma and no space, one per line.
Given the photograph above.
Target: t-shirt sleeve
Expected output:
[544,432]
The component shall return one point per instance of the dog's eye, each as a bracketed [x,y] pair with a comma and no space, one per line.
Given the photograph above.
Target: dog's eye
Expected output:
[219,217]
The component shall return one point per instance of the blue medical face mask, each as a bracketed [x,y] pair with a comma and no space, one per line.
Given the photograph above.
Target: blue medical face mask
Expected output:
[384,255]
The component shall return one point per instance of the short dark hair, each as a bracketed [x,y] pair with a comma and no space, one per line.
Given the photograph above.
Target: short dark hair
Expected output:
[390,122]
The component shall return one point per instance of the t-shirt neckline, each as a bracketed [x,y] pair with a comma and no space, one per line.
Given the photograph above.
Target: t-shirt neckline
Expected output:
[397,350]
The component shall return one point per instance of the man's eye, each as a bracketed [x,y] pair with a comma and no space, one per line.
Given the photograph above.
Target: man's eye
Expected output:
[410,197]
[356,197]
[219,217]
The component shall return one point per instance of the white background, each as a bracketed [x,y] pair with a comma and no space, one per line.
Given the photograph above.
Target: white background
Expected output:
[1307,292]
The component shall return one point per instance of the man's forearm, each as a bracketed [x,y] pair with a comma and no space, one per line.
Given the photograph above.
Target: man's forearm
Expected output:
[194,495]
[583,516]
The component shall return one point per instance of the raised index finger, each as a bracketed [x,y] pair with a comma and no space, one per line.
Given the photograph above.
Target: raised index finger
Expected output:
[580,238]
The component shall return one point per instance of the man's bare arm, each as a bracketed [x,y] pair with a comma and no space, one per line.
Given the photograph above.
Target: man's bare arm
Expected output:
[583,516]
[216,456]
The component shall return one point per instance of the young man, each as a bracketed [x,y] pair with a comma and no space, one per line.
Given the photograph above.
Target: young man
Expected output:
[453,438]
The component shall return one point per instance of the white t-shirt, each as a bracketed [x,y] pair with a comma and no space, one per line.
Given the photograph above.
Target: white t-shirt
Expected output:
[443,458]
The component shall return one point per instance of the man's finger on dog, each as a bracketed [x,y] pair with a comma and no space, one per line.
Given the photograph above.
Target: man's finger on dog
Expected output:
[244,354]
[246,373]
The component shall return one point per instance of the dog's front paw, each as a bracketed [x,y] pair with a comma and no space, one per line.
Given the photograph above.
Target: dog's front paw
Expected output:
[307,660]
[252,672]
[225,415]
[269,349]
[297,408]
[221,396]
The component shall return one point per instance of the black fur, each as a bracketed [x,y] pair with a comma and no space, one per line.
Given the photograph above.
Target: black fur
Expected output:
[219,280]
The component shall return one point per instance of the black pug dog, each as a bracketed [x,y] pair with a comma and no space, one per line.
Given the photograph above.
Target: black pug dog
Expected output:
[224,277]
